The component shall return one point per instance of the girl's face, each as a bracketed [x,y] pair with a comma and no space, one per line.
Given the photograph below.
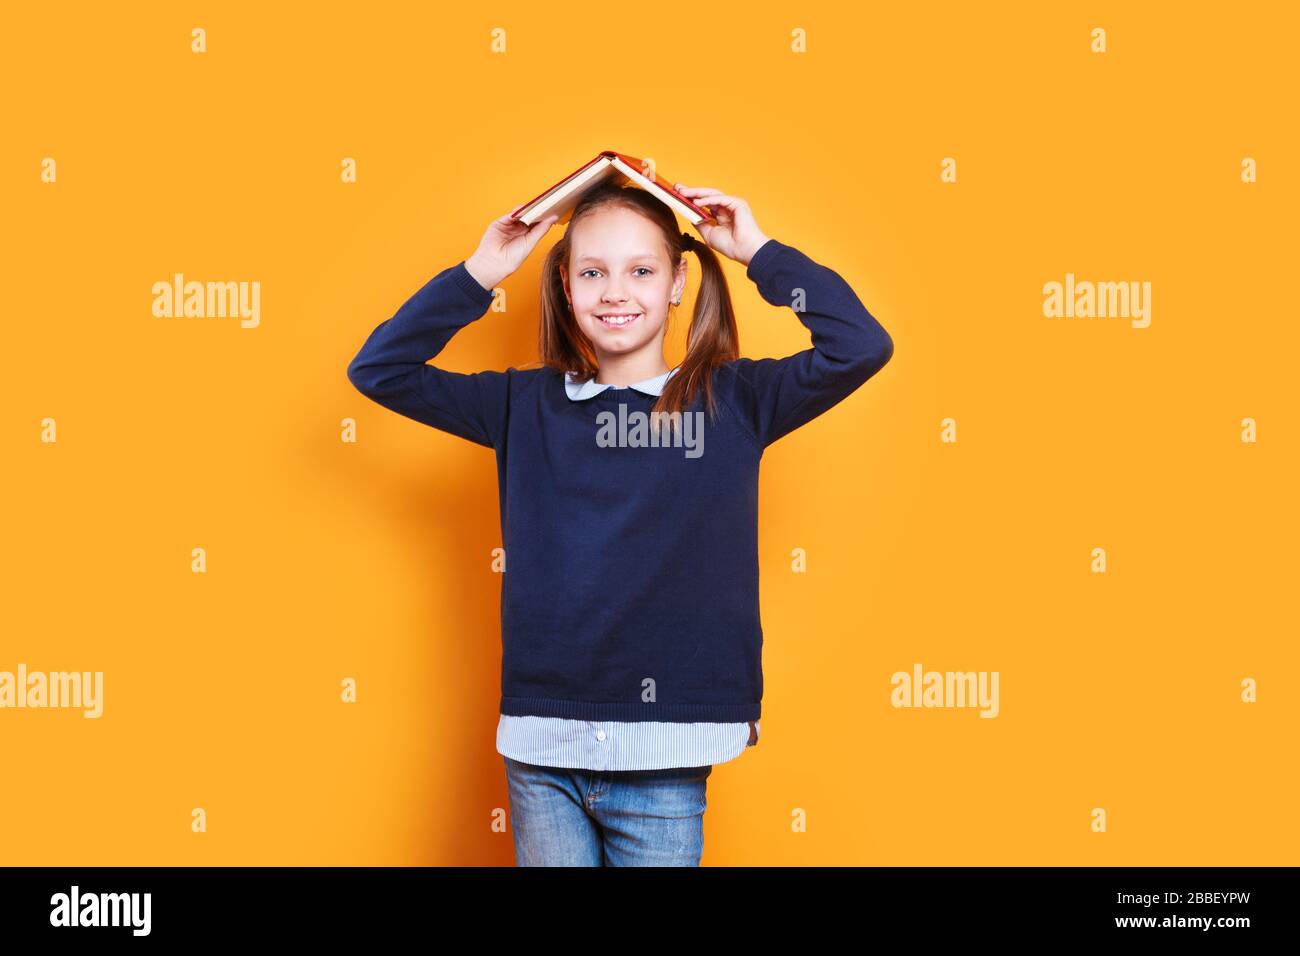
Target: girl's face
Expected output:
[618,267]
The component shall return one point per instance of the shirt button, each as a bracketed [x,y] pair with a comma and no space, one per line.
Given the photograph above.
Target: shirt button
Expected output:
[600,735]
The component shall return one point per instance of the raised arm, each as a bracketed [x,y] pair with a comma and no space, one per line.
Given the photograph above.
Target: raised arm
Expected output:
[391,367]
[778,395]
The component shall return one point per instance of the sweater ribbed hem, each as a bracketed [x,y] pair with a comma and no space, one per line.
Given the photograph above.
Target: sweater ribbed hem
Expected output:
[630,710]
[768,253]
[469,285]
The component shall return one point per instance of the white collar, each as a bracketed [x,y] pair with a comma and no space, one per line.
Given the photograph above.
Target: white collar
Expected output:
[577,392]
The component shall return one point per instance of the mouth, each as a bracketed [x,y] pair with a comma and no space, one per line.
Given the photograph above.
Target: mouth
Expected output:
[618,320]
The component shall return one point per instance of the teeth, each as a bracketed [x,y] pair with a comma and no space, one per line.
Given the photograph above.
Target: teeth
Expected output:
[623,319]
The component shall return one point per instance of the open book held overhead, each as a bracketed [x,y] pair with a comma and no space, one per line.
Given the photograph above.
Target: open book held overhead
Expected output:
[561,198]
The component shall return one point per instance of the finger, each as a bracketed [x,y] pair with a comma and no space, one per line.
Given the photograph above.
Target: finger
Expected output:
[700,191]
[720,211]
[717,201]
[702,199]
[539,228]
[518,225]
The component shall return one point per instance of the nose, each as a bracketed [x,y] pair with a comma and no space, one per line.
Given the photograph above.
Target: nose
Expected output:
[613,292]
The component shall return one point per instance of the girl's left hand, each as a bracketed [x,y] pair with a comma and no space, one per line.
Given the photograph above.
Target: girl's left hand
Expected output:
[736,235]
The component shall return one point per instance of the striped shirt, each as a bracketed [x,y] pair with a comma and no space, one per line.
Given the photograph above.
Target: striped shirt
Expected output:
[612,744]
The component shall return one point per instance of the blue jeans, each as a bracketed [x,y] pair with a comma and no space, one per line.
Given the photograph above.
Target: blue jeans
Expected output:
[570,817]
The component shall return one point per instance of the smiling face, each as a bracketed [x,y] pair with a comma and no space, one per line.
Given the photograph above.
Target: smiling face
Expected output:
[620,281]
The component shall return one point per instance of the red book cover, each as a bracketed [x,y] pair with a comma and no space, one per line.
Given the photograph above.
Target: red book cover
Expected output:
[635,163]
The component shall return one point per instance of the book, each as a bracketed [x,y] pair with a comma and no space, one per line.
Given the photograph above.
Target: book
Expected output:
[561,198]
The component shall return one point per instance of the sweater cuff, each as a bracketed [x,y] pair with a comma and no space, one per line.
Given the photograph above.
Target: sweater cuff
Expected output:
[762,260]
[469,285]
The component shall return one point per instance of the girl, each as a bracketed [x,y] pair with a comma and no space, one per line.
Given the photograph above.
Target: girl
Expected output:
[631,639]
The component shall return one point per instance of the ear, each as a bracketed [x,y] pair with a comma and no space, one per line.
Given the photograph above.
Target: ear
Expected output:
[679,280]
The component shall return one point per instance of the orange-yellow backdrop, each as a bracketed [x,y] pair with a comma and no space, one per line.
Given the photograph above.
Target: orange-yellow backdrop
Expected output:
[326,559]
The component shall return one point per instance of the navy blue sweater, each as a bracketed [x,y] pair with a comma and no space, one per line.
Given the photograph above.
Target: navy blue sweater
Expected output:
[630,589]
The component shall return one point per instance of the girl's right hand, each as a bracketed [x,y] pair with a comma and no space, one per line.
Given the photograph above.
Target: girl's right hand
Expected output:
[504,247]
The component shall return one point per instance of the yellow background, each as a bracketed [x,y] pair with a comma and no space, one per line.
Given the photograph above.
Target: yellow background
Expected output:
[371,560]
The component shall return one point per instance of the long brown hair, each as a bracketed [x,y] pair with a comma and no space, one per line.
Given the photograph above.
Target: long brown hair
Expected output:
[712,339]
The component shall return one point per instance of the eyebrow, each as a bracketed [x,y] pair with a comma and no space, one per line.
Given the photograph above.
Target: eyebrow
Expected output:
[591,258]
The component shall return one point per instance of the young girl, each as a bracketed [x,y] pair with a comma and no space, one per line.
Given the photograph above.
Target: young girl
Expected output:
[631,639]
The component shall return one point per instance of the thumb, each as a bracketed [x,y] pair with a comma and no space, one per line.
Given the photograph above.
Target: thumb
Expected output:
[539,228]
